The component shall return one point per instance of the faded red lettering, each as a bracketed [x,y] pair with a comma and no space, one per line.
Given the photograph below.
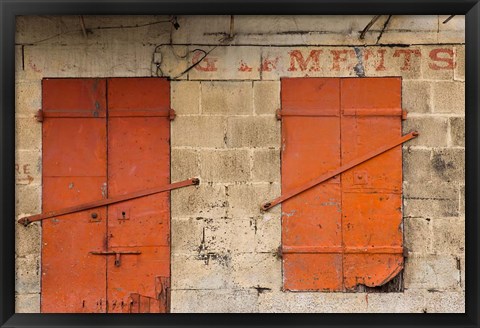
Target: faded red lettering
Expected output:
[407,57]
[268,65]
[381,65]
[244,67]
[340,56]
[313,58]
[447,62]
[17,168]
[26,168]
[209,63]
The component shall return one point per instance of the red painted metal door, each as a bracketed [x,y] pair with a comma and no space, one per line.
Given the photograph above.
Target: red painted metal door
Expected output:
[74,172]
[114,258]
[347,230]
[138,158]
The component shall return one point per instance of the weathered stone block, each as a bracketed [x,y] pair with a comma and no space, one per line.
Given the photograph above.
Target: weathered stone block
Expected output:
[457,131]
[203,200]
[446,302]
[253,270]
[268,233]
[213,236]
[225,165]
[399,61]
[449,97]
[214,301]
[27,274]
[449,164]
[28,167]
[266,165]
[459,74]
[27,240]
[416,96]
[431,272]
[55,31]
[28,200]
[453,31]
[266,97]
[227,98]
[462,201]
[170,61]
[253,131]
[245,199]
[225,63]
[312,302]
[201,271]
[449,236]
[28,98]
[185,97]
[27,303]
[463,269]
[28,134]
[436,166]
[430,199]
[184,164]
[199,29]
[433,131]
[309,29]
[438,62]
[186,235]
[410,301]
[418,235]
[198,131]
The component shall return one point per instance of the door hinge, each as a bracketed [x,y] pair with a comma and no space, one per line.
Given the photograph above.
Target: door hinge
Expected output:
[39,115]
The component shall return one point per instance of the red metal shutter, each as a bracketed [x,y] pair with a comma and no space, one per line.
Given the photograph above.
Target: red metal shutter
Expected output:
[74,172]
[138,158]
[347,230]
[114,258]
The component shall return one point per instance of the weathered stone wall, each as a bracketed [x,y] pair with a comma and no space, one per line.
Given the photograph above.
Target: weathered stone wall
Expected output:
[223,248]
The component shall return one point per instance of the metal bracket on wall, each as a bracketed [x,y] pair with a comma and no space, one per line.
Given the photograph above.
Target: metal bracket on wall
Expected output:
[339,170]
[39,217]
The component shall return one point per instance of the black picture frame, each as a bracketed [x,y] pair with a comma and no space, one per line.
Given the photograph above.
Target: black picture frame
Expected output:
[10,8]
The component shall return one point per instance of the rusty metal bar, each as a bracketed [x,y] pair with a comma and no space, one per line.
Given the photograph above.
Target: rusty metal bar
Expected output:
[82,207]
[339,170]
[343,250]
[70,113]
[346,111]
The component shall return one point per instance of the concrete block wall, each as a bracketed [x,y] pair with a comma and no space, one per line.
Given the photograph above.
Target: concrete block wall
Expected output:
[223,248]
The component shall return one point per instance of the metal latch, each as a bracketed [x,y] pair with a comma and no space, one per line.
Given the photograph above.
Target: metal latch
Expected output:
[118,255]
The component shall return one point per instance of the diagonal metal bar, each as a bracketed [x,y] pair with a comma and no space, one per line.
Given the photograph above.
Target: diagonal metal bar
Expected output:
[117,199]
[339,170]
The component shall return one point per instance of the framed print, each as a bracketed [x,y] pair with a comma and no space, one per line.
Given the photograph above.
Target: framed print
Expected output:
[209,163]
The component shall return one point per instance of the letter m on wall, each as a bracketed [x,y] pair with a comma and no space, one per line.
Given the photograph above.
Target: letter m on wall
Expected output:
[346,231]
